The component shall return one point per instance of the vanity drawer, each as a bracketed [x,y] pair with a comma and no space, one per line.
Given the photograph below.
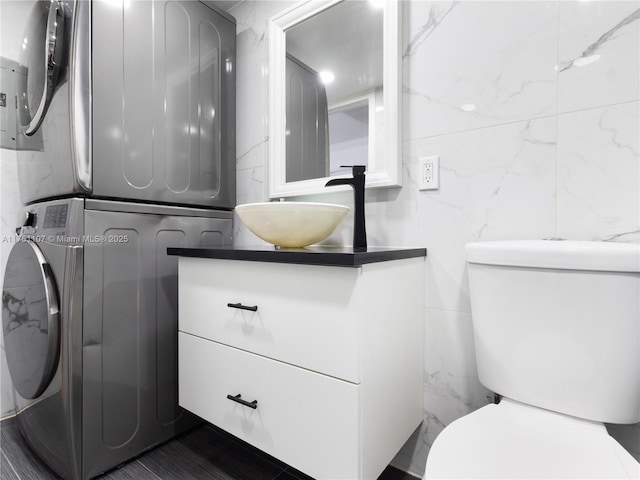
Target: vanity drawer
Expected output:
[306,315]
[306,419]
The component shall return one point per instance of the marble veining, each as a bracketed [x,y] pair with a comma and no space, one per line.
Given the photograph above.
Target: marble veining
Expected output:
[598,54]
[481,79]
[436,16]
[599,144]
[596,46]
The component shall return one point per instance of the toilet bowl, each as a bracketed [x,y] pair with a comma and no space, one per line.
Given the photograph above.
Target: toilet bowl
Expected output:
[557,334]
[512,440]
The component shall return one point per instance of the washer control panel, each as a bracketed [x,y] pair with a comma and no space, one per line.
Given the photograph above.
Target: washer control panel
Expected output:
[56,221]
[55,216]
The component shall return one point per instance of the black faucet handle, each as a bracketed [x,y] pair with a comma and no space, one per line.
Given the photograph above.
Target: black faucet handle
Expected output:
[356,169]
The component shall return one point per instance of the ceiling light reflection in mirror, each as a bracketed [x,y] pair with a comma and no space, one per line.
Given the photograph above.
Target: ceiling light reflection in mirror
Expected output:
[346,40]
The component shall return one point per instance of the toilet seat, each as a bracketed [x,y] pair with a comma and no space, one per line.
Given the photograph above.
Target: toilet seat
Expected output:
[514,440]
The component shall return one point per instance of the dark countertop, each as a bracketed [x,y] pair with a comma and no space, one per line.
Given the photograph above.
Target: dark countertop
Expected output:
[330,256]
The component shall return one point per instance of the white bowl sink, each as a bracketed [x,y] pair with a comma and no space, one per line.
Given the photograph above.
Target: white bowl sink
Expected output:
[292,224]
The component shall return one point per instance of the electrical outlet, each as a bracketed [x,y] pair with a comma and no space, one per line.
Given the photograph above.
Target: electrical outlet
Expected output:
[428,173]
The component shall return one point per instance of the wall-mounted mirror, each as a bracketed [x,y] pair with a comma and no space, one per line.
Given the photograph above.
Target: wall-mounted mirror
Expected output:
[334,94]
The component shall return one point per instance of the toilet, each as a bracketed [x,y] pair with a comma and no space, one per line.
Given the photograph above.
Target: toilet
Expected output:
[557,334]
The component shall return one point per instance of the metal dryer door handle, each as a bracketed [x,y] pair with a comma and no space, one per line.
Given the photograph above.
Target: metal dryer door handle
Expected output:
[54,39]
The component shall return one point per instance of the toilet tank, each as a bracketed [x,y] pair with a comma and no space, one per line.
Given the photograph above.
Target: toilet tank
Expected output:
[557,325]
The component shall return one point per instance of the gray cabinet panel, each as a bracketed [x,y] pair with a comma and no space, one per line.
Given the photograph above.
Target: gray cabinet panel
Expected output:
[164,103]
[130,330]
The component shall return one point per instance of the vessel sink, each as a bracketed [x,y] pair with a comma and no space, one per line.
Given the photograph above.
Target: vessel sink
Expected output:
[292,224]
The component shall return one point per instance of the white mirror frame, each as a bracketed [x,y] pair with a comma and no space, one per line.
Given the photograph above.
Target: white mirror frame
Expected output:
[381,172]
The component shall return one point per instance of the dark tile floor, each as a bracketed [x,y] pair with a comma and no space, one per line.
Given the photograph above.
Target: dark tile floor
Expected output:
[206,453]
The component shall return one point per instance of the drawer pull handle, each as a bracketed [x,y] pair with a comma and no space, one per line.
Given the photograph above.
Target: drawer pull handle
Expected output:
[237,398]
[253,308]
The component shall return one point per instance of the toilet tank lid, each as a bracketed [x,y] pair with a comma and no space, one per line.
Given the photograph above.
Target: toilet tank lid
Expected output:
[557,254]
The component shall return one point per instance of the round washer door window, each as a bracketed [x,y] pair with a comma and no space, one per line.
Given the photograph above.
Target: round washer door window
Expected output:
[30,320]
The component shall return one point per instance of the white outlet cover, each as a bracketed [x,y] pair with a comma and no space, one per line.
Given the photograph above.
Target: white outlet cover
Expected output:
[426,181]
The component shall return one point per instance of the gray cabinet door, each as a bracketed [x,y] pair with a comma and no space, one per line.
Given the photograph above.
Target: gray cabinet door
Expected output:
[130,330]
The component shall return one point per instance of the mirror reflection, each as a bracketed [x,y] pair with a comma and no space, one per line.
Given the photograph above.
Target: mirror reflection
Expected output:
[334,90]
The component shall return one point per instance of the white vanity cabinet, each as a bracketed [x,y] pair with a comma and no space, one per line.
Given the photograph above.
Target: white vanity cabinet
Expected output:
[320,366]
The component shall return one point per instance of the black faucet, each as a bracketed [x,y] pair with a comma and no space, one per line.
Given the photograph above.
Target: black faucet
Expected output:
[359,227]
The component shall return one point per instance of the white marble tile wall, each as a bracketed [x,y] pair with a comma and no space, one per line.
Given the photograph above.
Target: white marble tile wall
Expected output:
[552,148]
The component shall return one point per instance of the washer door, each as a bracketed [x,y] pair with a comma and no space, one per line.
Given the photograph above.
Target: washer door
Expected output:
[30,319]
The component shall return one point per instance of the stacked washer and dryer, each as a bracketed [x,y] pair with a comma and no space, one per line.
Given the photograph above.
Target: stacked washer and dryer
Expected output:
[127,118]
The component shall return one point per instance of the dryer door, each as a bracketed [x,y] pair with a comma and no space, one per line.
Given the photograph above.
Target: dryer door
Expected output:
[30,319]
[44,56]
